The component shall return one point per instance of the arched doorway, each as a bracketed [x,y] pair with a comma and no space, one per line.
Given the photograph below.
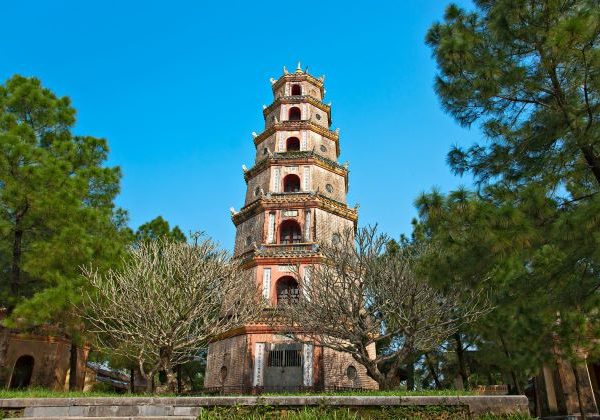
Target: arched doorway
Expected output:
[290,232]
[295,114]
[293,144]
[288,291]
[21,375]
[291,183]
[296,90]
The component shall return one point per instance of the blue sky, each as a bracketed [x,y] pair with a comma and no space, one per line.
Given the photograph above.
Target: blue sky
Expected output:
[177,88]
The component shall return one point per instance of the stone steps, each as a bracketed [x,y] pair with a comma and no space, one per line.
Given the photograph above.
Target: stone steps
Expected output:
[107,418]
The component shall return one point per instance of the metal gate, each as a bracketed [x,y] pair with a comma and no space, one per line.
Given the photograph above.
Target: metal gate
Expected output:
[284,367]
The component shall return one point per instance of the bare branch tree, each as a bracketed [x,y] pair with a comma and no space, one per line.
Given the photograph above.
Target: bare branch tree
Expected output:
[361,295]
[167,301]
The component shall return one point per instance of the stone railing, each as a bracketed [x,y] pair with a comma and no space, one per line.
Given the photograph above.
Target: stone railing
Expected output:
[288,249]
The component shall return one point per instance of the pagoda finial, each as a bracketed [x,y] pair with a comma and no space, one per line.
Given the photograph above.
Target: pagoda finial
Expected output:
[299,68]
[285,71]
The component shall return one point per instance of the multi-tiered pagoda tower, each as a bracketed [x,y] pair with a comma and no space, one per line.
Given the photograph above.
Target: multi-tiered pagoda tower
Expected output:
[296,197]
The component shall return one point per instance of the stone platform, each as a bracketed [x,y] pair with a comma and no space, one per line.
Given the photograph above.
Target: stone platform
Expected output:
[190,407]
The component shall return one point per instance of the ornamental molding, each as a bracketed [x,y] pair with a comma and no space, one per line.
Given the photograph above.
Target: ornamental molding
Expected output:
[274,256]
[266,324]
[279,201]
[296,77]
[296,126]
[298,100]
[296,158]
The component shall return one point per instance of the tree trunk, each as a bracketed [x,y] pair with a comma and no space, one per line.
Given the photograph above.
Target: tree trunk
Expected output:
[410,374]
[513,374]
[73,367]
[15,272]
[578,389]
[179,381]
[460,355]
[131,381]
[516,383]
[592,161]
[432,371]
[171,380]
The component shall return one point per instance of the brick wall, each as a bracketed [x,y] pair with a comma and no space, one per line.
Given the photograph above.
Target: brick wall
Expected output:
[336,364]
[232,354]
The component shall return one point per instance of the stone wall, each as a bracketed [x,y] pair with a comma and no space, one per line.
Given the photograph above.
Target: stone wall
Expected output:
[51,359]
[327,224]
[467,407]
[231,354]
[341,367]
[251,228]
[320,178]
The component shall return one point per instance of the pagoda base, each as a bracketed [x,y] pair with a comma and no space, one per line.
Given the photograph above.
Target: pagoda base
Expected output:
[260,359]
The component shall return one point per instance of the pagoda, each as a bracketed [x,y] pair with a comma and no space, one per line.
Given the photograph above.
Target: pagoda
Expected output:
[295,198]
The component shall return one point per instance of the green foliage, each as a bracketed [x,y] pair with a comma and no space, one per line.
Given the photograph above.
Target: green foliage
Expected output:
[529,74]
[159,228]
[341,413]
[56,205]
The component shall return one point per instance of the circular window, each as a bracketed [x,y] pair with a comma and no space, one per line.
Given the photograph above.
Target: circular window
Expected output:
[323,148]
[329,188]
[257,191]
[248,240]
[223,373]
[336,238]
[318,116]
[351,373]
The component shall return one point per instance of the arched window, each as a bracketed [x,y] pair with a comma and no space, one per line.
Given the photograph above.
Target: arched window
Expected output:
[293,144]
[288,291]
[290,232]
[21,375]
[296,90]
[294,114]
[291,183]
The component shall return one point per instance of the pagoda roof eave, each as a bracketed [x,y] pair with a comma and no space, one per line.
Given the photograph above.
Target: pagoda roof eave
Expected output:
[299,77]
[300,158]
[275,201]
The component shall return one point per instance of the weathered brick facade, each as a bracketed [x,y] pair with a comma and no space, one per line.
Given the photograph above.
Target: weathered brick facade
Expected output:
[295,198]
[38,360]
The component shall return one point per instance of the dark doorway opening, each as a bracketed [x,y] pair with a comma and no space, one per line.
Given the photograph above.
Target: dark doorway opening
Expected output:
[21,375]
[295,114]
[290,233]
[283,369]
[291,183]
[288,291]
[292,144]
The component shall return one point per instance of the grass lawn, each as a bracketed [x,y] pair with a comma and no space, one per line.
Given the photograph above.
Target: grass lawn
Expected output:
[46,393]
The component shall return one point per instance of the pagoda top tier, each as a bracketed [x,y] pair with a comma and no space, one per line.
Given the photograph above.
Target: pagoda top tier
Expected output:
[299,75]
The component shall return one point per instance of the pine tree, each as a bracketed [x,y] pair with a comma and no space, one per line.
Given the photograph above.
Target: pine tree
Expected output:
[56,205]
[529,74]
